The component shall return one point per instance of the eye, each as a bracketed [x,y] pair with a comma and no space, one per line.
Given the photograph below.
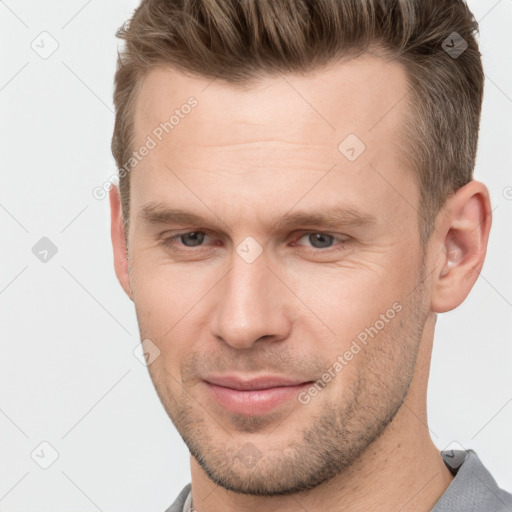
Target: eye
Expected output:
[319,240]
[189,239]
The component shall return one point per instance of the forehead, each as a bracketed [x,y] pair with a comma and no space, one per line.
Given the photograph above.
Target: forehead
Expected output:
[361,96]
[276,138]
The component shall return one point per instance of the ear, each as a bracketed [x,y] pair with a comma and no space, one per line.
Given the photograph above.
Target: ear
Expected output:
[118,241]
[461,241]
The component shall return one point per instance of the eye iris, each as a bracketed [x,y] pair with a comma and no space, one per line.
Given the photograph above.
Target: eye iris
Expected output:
[320,240]
[194,238]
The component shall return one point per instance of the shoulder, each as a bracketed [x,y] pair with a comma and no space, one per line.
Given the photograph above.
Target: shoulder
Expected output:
[177,506]
[473,489]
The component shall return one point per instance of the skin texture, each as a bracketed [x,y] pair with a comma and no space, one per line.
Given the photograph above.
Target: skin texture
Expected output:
[243,159]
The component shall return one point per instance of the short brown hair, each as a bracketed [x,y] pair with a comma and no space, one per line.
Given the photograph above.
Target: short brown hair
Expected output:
[239,41]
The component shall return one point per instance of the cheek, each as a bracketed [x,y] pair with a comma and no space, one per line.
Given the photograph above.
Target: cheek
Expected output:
[166,291]
[348,300]
[164,305]
[173,305]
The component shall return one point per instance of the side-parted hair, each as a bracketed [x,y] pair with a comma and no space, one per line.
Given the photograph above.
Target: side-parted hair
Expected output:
[240,41]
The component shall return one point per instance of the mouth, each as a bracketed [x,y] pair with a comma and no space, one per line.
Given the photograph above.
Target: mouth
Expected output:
[255,396]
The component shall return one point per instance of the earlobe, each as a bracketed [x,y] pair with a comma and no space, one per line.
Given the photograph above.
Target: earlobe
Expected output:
[119,241]
[463,234]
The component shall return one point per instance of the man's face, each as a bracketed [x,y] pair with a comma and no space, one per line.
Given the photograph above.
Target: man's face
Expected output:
[299,249]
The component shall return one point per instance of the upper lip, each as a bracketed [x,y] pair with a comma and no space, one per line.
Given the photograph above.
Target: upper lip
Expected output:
[261,382]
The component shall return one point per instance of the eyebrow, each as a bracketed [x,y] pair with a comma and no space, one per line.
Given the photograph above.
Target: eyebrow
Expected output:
[159,213]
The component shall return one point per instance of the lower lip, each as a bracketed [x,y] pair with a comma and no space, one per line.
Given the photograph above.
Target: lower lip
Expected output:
[253,402]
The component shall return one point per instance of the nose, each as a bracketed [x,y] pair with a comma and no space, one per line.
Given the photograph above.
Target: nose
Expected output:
[251,305]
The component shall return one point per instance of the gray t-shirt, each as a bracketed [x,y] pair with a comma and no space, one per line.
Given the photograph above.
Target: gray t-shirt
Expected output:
[472,490]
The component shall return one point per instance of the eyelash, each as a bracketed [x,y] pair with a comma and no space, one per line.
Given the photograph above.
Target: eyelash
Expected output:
[342,239]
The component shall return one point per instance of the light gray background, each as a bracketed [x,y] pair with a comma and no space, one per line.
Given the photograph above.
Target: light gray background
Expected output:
[68,373]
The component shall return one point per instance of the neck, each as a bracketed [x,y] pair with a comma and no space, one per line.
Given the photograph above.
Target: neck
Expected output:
[401,470]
